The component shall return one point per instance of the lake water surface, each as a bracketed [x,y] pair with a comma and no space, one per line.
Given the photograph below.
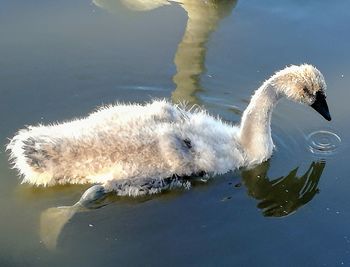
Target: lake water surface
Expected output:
[62,59]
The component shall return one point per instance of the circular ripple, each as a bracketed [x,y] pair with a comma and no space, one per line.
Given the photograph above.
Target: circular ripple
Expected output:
[323,142]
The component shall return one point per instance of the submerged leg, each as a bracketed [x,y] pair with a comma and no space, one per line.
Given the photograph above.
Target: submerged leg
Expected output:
[93,197]
[52,222]
[54,219]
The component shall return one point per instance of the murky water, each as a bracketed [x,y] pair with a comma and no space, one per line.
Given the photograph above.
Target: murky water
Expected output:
[60,60]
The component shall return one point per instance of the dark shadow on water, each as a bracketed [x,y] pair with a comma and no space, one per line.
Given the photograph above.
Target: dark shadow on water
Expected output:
[284,195]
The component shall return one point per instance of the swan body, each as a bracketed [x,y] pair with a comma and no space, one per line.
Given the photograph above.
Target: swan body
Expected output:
[147,144]
[127,142]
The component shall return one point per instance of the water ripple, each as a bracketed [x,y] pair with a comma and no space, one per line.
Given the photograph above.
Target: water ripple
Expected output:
[323,142]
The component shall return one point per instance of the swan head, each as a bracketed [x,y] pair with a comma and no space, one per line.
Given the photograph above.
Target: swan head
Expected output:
[304,84]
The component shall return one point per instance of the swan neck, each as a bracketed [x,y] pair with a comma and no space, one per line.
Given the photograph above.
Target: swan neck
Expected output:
[255,129]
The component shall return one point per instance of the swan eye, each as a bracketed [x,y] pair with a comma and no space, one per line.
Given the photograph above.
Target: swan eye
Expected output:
[307,92]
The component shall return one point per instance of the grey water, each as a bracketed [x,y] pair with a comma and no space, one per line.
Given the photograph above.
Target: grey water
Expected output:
[62,59]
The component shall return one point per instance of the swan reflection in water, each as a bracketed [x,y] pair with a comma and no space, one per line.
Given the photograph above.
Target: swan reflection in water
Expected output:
[282,196]
[203,19]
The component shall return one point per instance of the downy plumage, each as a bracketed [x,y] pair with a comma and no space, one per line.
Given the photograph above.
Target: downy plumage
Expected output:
[137,149]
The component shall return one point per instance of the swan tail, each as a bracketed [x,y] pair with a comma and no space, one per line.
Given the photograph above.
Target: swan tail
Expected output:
[29,154]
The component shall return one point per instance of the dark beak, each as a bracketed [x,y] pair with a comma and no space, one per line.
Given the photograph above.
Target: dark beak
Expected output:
[320,105]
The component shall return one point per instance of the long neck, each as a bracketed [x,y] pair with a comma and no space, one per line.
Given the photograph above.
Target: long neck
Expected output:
[255,129]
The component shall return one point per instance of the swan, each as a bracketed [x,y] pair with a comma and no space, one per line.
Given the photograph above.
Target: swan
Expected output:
[138,149]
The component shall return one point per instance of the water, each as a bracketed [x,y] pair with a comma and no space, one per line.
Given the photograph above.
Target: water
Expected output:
[60,60]
[323,142]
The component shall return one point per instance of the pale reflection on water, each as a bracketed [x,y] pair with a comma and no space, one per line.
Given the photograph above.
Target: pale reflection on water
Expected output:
[203,19]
